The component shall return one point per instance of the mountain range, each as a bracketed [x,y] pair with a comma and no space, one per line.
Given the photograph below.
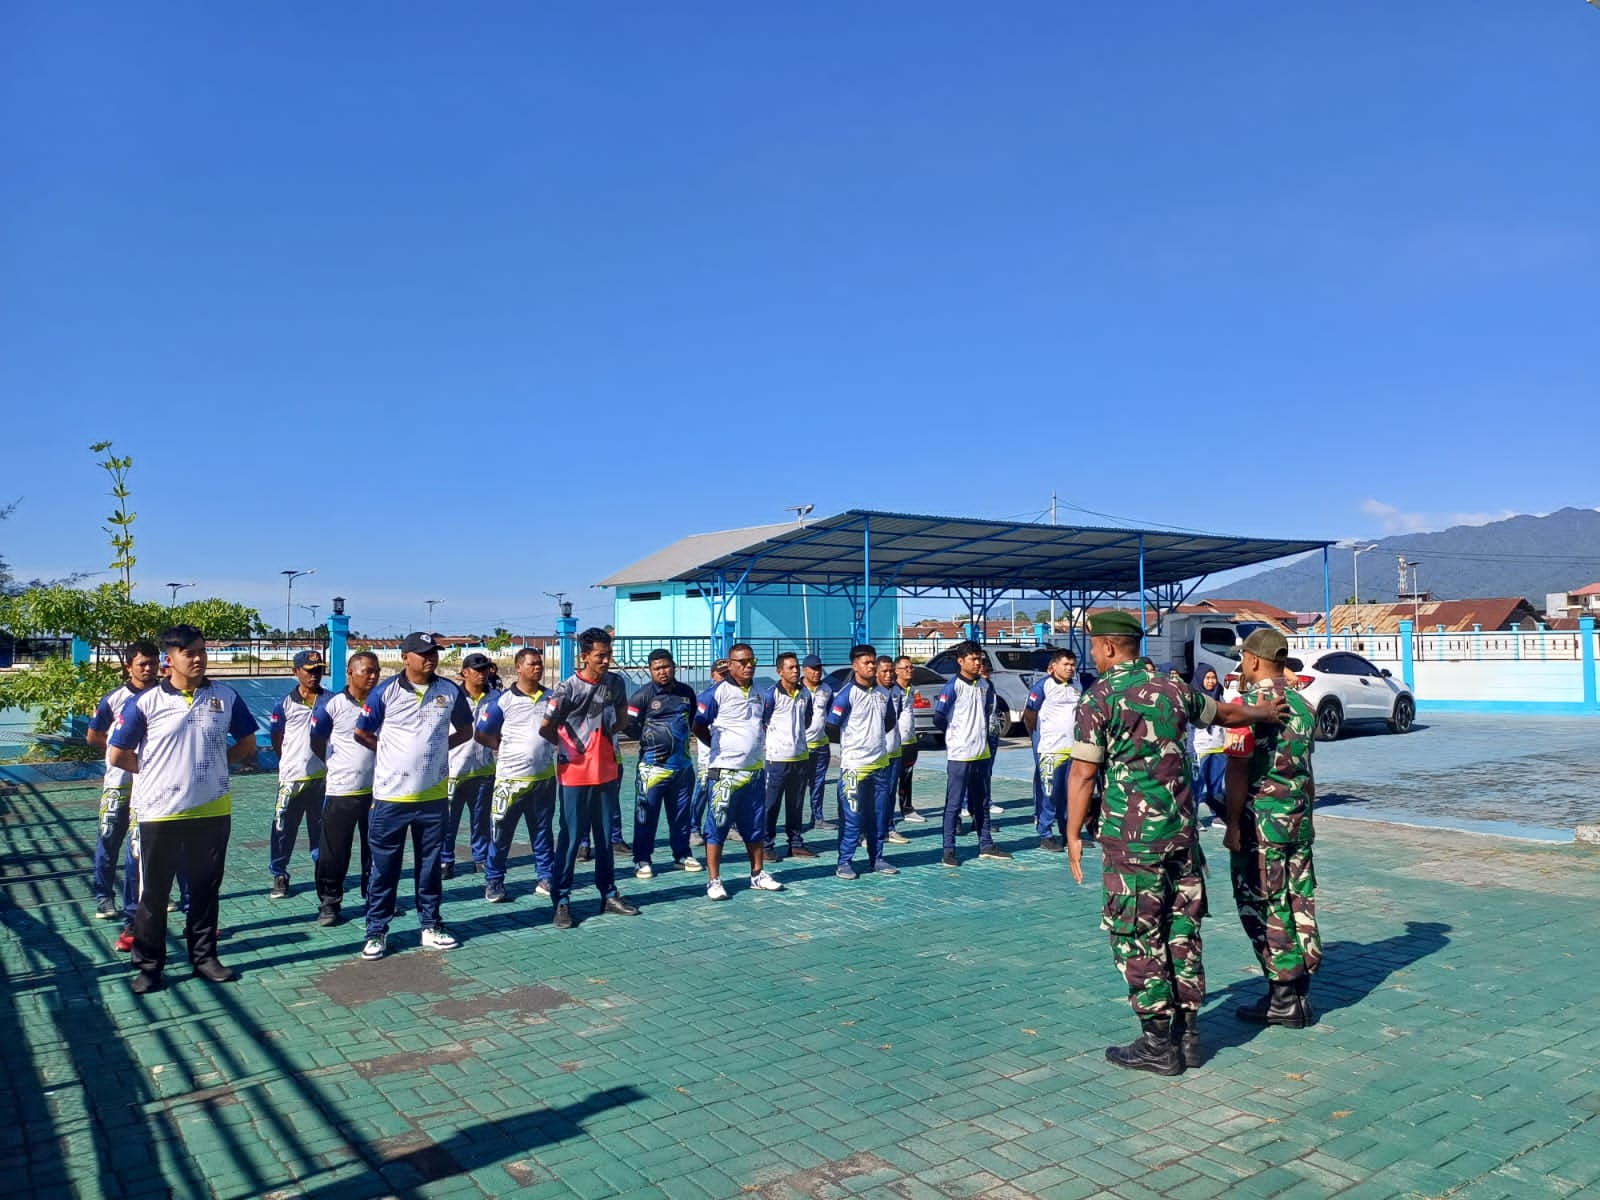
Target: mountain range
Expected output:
[1522,556]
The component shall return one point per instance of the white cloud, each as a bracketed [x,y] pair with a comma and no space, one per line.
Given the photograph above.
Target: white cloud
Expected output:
[1392,520]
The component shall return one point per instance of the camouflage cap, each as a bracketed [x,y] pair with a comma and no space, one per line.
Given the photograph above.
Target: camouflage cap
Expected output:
[1268,644]
[1115,623]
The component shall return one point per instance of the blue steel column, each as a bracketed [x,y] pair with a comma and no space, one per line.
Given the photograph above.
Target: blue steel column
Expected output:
[1586,653]
[1408,672]
[1327,602]
[338,649]
[1141,594]
[566,639]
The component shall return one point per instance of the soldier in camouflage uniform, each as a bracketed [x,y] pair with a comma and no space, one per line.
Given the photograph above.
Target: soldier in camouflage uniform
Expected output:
[1270,791]
[1134,722]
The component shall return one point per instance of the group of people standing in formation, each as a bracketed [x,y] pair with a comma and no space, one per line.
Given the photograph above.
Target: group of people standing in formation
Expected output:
[408,756]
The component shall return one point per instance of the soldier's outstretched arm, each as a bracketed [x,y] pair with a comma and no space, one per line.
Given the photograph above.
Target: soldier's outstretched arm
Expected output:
[1235,715]
[1080,794]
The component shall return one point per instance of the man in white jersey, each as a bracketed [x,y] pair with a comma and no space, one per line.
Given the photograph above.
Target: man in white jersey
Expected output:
[903,670]
[141,667]
[347,806]
[859,720]
[963,711]
[582,716]
[412,721]
[817,744]
[471,772]
[728,719]
[524,775]
[302,775]
[786,715]
[888,803]
[702,767]
[173,739]
[1050,716]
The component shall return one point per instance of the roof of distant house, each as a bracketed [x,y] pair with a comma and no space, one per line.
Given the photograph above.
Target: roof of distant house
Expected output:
[1592,590]
[1457,616]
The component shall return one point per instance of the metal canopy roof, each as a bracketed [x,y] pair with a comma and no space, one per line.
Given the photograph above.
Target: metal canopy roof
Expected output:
[934,554]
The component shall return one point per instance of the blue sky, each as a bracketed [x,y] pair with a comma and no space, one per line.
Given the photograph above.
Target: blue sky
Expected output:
[483,301]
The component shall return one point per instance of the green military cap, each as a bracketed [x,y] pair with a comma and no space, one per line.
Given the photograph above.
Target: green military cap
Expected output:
[1268,644]
[1115,623]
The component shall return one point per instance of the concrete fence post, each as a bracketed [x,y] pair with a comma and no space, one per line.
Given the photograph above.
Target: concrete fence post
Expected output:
[338,650]
[1586,653]
[1407,668]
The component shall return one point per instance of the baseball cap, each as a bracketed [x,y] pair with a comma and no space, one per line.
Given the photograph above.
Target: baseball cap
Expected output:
[1268,644]
[811,660]
[478,662]
[309,660]
[418,643]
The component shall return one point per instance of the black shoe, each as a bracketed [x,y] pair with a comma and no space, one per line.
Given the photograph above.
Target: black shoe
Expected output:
[328,915]
[563,918]
[280,888]
[447,871]
[144,983]
[621,850]
[949,859]
[213,971]
[619,906]
[773,853]
[583,854]
[1302,988]
[1050,844]
[1280,1006]
[993,851]
[801,850]
[1186,1036]
[1151,1051]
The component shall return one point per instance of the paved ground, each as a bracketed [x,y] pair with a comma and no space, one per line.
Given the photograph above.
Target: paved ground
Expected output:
[934,1034]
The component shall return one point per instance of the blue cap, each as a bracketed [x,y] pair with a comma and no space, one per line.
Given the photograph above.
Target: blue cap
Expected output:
[309,658]
[811,660]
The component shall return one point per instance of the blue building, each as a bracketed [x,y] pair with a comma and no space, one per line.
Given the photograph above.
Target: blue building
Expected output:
[653,608]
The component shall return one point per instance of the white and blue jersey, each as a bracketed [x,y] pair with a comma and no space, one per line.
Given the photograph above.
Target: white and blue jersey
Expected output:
[291,721]
[963,712]
[787,716]
[350,764]
[659,717]
[105,715]
[863,716]
[524,756]
[472,759]
[413,727]
[892,737]
[1055,705]
[821,701]
[733,715]
[181,739]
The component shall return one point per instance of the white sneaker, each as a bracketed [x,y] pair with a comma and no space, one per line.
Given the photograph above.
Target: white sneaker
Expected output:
[375,947]
[913,816]
[691,864]
[542,888]
[996,811]
[438,938]
[895,838]
[644,871]
[764,882]
[715,890]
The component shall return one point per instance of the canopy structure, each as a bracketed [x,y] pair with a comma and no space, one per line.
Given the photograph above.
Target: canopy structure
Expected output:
[863,555]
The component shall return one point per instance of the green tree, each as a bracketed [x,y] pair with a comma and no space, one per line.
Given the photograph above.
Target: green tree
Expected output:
[498,640]
[121,529]
[1042,617]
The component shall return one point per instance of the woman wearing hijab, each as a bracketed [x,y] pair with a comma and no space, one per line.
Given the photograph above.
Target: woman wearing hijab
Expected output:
[1206,744]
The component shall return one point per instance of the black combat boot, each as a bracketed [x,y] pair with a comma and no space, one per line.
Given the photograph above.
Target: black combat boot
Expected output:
[1280,1006]
[1302,988]
[1152,1050]
[1186,1036]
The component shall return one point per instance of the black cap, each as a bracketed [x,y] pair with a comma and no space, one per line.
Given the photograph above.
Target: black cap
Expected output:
[419,643]
[478,662]
[811,660]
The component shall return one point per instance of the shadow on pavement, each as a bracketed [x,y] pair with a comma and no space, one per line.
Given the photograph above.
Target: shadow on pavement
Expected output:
[1350,972]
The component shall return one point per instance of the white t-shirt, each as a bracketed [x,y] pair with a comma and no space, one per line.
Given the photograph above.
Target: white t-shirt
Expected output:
[350,763]
[733,715]
[413,729]
[181,739]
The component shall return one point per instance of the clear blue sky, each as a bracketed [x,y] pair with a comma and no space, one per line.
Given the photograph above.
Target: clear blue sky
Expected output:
[483,301]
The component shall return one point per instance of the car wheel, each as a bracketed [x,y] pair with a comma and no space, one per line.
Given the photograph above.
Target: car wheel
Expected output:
[1002,716]
[1330,720]
[1405,712]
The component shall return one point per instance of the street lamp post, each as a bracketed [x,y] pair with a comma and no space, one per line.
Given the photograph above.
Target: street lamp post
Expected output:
[312,609]
[1356,551]
[430,604]
[288,607]
[176,587]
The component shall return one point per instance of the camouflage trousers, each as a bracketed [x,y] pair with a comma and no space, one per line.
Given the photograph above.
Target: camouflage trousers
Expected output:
[1275,888]
[1152,912]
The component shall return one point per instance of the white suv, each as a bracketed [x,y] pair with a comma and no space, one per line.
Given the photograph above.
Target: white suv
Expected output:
[1341,686]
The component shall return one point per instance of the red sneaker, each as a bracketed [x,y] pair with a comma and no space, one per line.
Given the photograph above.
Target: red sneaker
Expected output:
[125,940]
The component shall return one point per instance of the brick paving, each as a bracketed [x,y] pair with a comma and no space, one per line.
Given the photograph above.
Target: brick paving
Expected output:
[935,1034]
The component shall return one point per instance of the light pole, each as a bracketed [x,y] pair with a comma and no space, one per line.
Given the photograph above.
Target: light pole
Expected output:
[176,587]
[288,606]
[312,608]
[430,604]
[800,512]
[1356,551]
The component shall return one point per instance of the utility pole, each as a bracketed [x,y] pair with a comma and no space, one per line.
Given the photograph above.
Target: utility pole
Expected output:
[1052,594]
